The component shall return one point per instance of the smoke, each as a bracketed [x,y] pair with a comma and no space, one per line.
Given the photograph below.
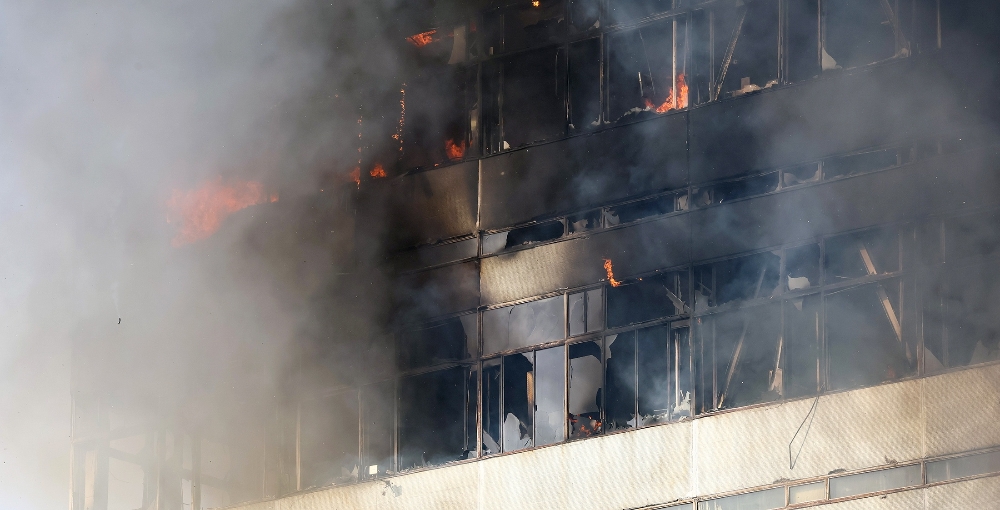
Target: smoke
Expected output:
[109,108]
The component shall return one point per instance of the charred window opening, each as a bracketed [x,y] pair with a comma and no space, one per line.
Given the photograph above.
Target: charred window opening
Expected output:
[492,378]
[644,76]
[590,220]
[437,125]
[451,340]
[860,163]
[531,104]
[801,174]
[869,253]
[585,14]
[523,400]
[734,190]
[865,340]
[432,419]
[586,312]
[962,316]
[527,25]
[745,278]
[745,46]
[523,325]
[635,211]
[802,326]
[518,401]
[860,32]
[586,383]
[378,405]
[747,346]
[626,10]
[535,234]
[802,40]
[329,439]
[973,237]
[648,299]
[663,374]
[802,267]
[585,84]
[620,381]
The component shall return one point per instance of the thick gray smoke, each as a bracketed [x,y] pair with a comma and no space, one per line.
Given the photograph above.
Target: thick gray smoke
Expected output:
[108,109]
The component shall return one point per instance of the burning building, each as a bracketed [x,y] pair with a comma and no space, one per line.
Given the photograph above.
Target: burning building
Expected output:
[655,254]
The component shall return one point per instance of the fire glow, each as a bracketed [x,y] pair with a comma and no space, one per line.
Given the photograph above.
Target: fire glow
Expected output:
[200,212]
[668,104]
[378,172]
[422,39]
[453,150]
[611,273]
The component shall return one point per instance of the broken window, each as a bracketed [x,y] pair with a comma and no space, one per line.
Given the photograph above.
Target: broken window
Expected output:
[329,439]
[625,10]
[436,128]
[802,40]
[747,346]
[744,278]
[865,339]
[586,384]
[635,211]
[973,237]
[585,14]
[585,84]
[663,364]
[809,172]
[518,401]
[860,163]
[550,388]
[801,337]
[377,409]
[620,381]
[961,316]
[745,46]
[734,190]
[450,340]
[526,25]
[860,32]
[590,220]
[802,267]
[432,419]
[647,299]
[537,233]
[643,73]
[534,89]
[586,311]
[523,325]
[492,377]
[868,253]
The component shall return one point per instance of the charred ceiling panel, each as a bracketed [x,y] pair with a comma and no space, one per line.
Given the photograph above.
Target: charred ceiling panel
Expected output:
[436,204]
[573,173]
[634,250]
[796,124]
[437,292]
[933,186]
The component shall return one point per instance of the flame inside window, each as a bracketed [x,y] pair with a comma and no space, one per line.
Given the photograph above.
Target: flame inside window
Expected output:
[378,172]
[422,39]
[608,268]
[454,150]
[668,104]
[200,212]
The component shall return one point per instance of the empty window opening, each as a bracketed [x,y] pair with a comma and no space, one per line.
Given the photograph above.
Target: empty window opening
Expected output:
[585,14]
[537,233]
[635,211]
[973,237]
[747,361]
[801,174]
[523,325]
[961,316]
[647,299]
[620,381]
[865,341]
[450,340]
[745,46]
[802,267]
[626,10]
[377,409]
[585,85]
[663,361]
[586,384]
[745,278]
[518,401]
[436,128]
[643,74]
[802,36]
[550,388]
[432,420]
[754,186]
[860,32]
[801,367]
[860,163]
[583,222]
[533,106]
[869,253]
[329,439]
[532,24]
[491,418]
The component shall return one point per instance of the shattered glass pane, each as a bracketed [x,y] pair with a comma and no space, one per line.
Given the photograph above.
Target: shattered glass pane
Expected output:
[747,368]
[378,401]
[802,267]
[858,32]
[801,174]
[595,309]
[329,439]
[523,325]
[583,222]
[550,384]
[650,298]
[518,401]
[491,406]
[432,418]
[586,383]
[577,314]
[864,339]
[862,254]
[876,481]
[620,382]
[801,363]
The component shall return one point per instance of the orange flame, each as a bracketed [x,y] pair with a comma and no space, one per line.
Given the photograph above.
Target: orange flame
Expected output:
[356,176]
[378,172]
[422,39]
[536,3]
[668,104]
[200,212]
[453,150]
[611,273]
